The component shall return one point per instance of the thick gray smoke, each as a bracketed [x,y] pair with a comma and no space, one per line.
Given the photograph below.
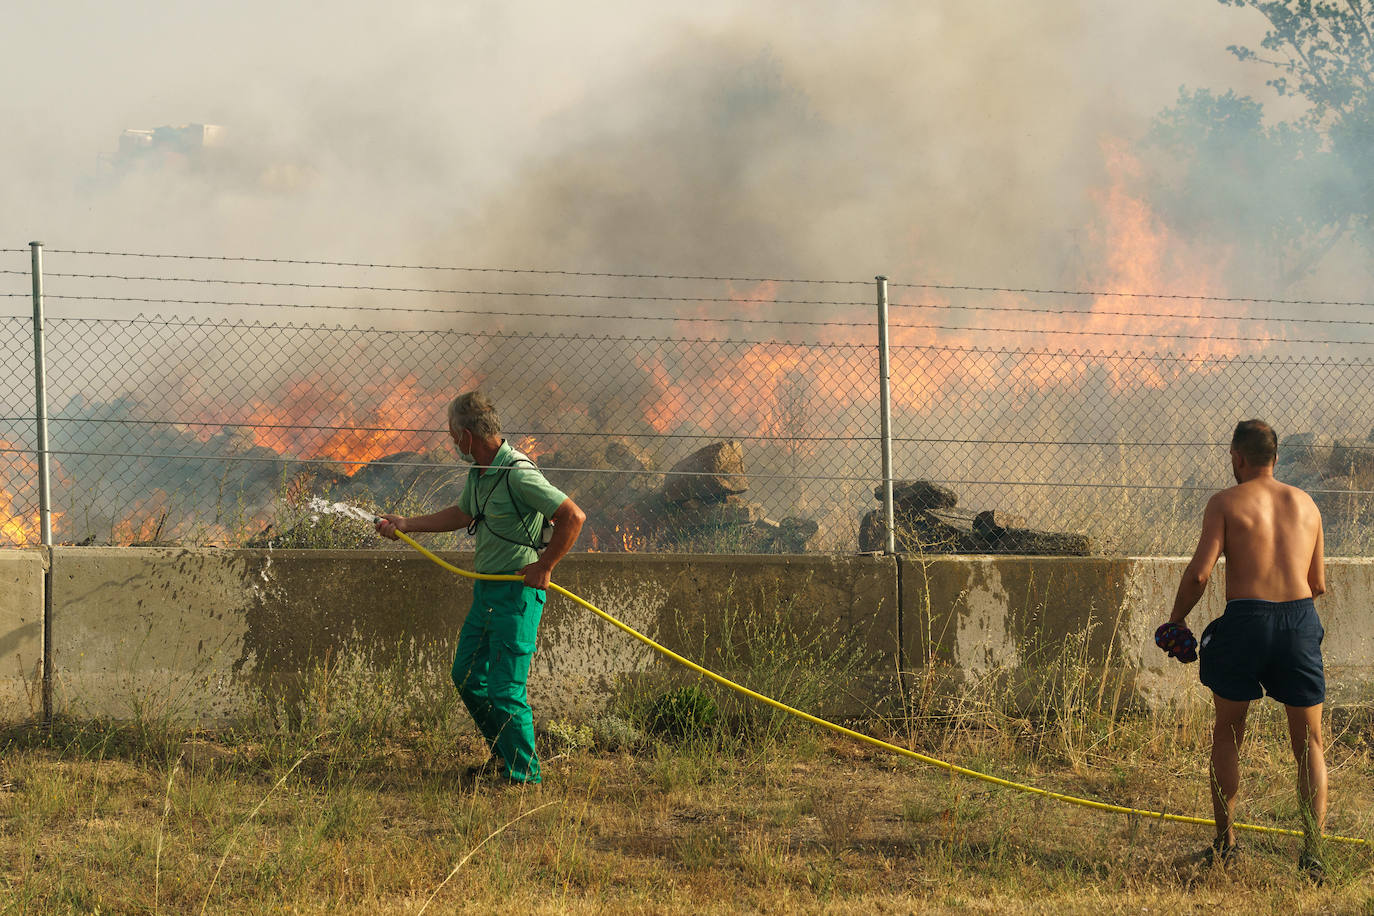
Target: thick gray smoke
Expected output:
[971,142]
[955,140]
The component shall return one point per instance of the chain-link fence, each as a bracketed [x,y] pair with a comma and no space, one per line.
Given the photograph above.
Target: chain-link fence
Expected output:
[679,422]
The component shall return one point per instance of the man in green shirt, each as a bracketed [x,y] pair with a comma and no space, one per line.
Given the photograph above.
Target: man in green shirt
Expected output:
[504,503]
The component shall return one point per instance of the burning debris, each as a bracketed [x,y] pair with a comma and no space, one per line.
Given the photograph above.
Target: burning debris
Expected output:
[928,522]
[700,505]
[697,505]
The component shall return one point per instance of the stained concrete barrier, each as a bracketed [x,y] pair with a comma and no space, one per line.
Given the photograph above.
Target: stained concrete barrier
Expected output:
[21,633]
[207,634]
[985,618]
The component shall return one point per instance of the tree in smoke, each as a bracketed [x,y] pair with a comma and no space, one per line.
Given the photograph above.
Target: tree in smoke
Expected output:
[1291,190]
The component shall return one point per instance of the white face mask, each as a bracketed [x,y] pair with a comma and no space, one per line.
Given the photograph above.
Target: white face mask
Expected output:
[466,456]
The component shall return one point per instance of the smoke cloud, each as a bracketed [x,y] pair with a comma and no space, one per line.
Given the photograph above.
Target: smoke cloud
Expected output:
[954,140]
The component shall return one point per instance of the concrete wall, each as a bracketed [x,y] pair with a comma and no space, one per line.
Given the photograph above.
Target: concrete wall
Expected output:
[21,633]
[984,616]
[204,633]
[201,633]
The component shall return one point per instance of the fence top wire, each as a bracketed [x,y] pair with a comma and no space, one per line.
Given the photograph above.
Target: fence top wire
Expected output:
[950,307]
[537,294]
[243,324]
[1072,332]
[1079,313]
[492,312]
[1127,294]
[456,268]
[785,322]
[738,300]
[950,287]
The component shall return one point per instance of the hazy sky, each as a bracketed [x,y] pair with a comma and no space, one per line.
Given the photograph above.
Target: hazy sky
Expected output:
[958,139]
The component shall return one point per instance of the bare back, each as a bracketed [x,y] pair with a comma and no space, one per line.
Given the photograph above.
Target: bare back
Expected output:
[1272,540]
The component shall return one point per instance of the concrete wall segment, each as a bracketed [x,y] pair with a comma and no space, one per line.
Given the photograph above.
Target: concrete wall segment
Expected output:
[202,633]
[1347,613]
[148,631]
[21,633]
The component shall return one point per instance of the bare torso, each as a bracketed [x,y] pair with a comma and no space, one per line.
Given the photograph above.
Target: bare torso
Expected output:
[1272,532]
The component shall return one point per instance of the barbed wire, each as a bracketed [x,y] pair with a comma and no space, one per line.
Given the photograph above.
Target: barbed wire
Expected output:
[1117,314]
[447,292]
[231,323]
[912,305]
[948,287]
[1072,332]
[485,312]
[788,322]
[645,298]
[1192,297]
[463,269]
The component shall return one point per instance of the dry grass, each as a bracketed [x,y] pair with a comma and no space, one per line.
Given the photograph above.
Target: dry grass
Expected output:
[121,819]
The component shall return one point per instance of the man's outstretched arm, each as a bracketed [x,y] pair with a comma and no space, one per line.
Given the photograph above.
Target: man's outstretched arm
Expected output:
[1199,571]
[450,519]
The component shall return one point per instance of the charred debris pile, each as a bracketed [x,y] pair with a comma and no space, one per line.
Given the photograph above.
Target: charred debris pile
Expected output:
[928,520]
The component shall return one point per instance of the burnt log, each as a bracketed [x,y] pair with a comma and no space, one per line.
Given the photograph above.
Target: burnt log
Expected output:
[709,475]
[952,531]
[992,524]
[918,496]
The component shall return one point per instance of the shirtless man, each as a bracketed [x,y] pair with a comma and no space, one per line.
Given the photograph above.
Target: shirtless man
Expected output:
[1269,638]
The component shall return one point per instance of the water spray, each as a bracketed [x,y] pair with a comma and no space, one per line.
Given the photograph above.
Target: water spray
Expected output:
[321,507]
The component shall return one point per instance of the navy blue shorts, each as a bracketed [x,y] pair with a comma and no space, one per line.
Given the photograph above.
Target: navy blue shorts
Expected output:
[1260,647]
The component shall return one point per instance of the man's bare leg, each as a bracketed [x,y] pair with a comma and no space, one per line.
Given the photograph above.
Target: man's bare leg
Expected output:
[1227,735]
[1305,731]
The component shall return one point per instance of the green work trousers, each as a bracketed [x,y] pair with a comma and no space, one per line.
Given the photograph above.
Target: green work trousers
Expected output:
[492,665]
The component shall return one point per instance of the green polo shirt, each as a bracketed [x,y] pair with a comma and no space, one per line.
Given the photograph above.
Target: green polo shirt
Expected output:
[486,492]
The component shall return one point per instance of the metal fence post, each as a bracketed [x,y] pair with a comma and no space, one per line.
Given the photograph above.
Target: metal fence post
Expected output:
[885,398]
[40,401]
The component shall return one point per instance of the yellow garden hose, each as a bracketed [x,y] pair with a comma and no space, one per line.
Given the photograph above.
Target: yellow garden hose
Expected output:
[859,736]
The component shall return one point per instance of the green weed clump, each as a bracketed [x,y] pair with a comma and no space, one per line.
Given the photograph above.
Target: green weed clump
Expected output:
[763,642]
[683,714]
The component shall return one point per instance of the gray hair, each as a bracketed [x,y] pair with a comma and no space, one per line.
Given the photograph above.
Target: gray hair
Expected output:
[474,411]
